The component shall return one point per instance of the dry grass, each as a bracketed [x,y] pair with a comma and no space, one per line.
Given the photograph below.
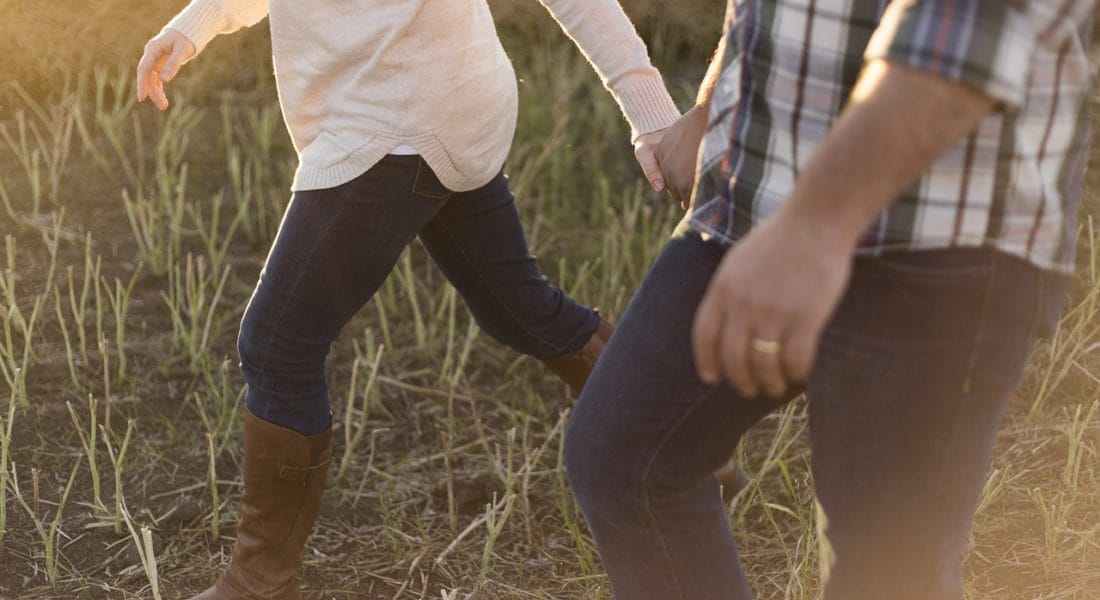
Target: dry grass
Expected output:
[132,240]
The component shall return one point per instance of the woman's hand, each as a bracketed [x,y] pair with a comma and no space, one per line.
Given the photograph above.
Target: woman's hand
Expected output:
[678,152]
[162,59]
[667,156]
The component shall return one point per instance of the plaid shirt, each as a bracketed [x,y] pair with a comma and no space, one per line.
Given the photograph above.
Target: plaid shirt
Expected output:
[1013,184]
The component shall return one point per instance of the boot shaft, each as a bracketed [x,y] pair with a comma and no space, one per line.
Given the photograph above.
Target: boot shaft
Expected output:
[284,477]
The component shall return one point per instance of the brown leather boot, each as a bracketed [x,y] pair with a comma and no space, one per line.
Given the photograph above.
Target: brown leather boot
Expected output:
[731,478]
[575,367]
[284,475]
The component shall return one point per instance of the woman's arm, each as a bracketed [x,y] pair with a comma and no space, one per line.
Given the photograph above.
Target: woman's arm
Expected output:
[202,20]
[606,37]
[185,36]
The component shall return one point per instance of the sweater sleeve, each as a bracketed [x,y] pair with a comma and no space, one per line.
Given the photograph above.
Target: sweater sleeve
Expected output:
[608,40]
[202,20]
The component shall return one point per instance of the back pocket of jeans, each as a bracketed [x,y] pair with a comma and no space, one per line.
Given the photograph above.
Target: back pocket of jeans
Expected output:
[933,266]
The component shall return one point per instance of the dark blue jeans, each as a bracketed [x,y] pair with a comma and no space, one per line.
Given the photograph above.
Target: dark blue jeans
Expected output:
[336,246]
[910,380]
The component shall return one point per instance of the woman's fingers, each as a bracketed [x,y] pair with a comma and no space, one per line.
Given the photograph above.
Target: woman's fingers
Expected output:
[160,62]
[648,161]
[182,51]
[145,70]
[160,99]
[149,84]
[645,150]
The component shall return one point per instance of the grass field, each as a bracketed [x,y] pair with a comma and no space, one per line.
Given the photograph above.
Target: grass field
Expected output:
[132,238]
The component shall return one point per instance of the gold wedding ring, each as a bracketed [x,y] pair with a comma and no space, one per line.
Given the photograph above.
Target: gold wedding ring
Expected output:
[764,346]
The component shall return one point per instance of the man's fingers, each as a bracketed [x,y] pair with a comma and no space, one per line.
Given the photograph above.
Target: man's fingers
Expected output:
[733,351]
[683,194]
[704,339]
[798,352]
[764,360]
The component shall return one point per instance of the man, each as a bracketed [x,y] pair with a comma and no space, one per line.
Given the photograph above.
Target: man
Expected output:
[884,219]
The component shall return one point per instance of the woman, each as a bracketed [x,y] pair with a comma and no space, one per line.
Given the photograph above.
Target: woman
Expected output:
[402,113]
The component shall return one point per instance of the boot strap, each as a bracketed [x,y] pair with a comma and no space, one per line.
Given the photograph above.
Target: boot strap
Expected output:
[292,473]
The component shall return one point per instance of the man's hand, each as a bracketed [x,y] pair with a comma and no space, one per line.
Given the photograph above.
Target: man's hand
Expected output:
[678,151]
[759,322]
[162,59]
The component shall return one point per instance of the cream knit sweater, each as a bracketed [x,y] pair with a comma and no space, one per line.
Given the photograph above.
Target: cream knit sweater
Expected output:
[357,78]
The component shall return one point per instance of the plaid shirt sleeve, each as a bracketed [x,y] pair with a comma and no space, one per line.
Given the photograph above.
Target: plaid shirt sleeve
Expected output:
[985,44]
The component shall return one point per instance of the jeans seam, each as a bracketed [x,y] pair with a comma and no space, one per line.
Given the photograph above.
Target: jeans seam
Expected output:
[493,291]
[662,545]
[979,335]
[1038,312]
[277,321]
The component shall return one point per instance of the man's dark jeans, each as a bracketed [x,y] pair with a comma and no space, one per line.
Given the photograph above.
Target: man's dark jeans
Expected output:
[336,246]
[910,380]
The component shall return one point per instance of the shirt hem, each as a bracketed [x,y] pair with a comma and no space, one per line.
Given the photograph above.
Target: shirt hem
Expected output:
[998,245]
[308,177]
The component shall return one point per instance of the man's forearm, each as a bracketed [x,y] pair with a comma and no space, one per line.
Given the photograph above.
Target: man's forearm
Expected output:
[710,78]
[897,123]
[714,70]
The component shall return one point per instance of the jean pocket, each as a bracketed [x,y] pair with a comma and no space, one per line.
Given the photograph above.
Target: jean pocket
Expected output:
[427,184]
[905,300]
[932,266]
